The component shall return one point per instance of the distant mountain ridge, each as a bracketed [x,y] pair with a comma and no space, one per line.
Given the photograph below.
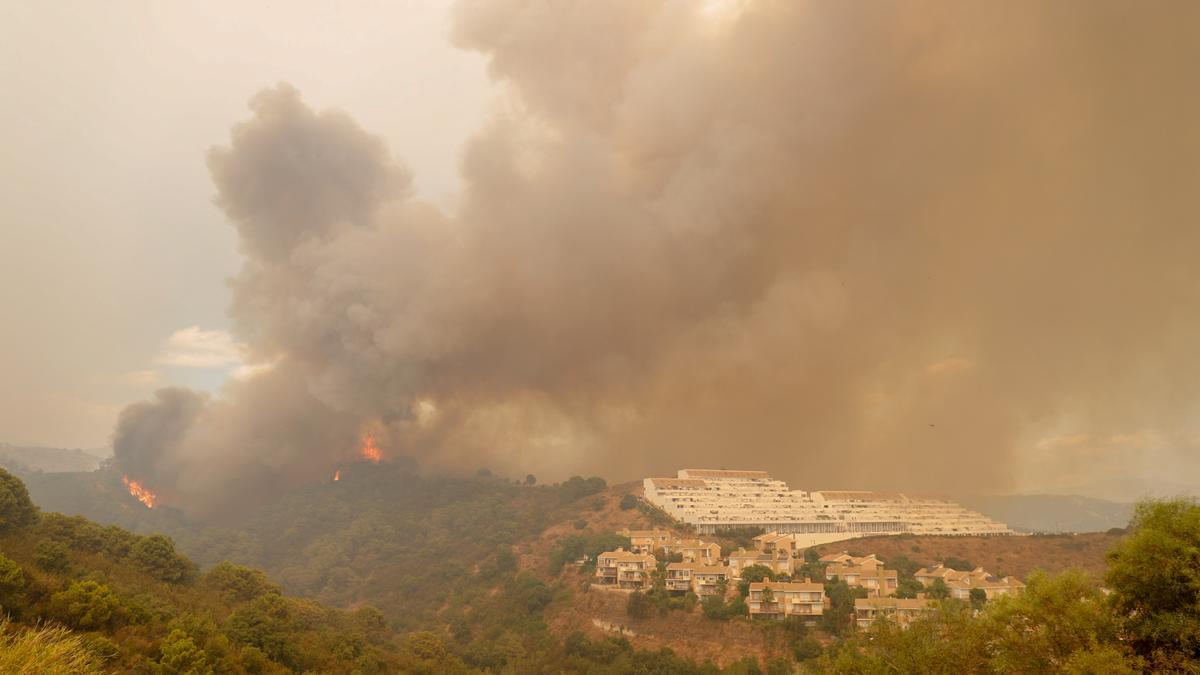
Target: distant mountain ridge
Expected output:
[1051,513]
[34,459]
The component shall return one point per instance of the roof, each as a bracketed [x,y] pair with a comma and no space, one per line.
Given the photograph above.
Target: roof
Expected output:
[984,581]
[699,568]
[809,586]
[780,554]
[721,473]
[893,603]
[692,543]
[938,570]
[627,556]
[672,483]
[863,495]
[843,561]
[976,578]
[774,537]
[879,573]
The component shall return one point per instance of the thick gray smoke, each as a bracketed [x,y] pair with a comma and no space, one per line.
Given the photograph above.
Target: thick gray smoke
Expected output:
[856,244]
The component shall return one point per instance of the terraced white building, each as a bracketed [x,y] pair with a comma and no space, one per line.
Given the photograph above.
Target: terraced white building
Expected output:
[711,499]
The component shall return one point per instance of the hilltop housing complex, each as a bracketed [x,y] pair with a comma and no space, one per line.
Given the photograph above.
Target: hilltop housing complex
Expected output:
[710,500]
[713,499]
[704,572]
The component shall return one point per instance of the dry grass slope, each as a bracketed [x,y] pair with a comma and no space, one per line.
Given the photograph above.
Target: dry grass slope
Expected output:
[1016,555]
[46,650]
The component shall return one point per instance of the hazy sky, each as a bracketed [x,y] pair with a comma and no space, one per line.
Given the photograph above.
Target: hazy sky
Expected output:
[953,239]
[109,240]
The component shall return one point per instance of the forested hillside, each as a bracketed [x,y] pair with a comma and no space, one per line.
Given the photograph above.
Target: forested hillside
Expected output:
[133,604]
[476,572]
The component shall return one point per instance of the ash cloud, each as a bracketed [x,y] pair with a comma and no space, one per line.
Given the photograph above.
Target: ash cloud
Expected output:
[867,246]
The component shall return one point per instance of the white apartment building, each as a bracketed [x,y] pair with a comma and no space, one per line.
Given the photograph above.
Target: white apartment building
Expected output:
[711,499]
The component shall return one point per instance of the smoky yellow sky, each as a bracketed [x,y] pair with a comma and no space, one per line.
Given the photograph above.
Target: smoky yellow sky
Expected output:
[937,246]
[113,258]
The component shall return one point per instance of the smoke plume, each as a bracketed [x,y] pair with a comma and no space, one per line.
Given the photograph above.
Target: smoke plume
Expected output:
[866,245]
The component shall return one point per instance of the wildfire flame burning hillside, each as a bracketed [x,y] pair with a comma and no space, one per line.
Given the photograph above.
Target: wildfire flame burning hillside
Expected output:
[370,450]
[138,490]
[337,475]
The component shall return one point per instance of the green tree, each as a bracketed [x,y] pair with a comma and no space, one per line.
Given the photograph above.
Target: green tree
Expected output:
[1041,629]
[1154,574]
[715,607]
[638,606]
[155,555]
[938,590]
[959,564]
[530,479]
[753,574]
[88,605]
[950,642]
[737,607]
[16,509]
[254,660]
[836,619]
[905,567]
[628,502]
[12,583]
[768,596]
[51,556]
[577,487]
[806,648]
[978,598]
[908,588]
[181,656]
[506,560]
[239,583]
[267,624]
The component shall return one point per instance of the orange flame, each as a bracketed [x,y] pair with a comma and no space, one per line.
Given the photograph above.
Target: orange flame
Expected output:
[370,450]
[337,475]
[138,490]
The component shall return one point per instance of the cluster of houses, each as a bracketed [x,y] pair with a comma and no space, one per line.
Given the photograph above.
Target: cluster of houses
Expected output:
[702,570]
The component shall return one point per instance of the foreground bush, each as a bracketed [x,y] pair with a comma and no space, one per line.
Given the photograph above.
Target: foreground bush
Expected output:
[49,650]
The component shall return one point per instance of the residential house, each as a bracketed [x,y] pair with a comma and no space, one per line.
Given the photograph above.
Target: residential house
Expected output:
[779,599]
[646,541]
[844,559]
[961,583]
[779,562]
[901,610]
[624,569]
[773,541]
[694,550]
[696,577]
[862,572]
[927,575]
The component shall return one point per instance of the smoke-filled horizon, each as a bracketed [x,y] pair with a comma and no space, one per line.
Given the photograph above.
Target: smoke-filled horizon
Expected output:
[856,245]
